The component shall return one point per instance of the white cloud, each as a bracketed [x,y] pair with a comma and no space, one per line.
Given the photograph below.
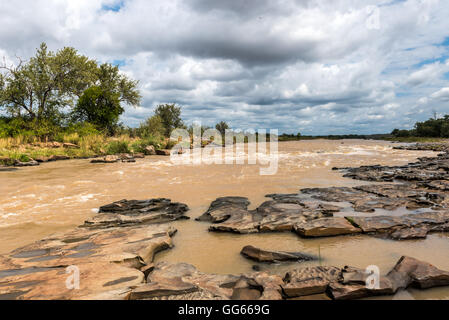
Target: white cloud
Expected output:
[314,63]
[442,94]
[428,73]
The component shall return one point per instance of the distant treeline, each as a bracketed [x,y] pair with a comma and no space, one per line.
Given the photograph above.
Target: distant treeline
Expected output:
[292,137]
[432,128]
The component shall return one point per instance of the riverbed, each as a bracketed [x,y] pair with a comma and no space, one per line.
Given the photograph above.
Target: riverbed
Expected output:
[38,201]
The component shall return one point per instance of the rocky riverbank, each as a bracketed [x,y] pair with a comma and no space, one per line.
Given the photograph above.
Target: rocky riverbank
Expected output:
[114,250]
[67,148]
[413,203]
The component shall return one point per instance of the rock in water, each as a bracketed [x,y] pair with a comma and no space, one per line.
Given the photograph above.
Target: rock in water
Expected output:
[136,212]
[407,272]
[325,227]
[58,158]
[163,152]
[184,282]
[108,262]
[150,151]
[411,226]
[309,281]
[274,256]
[107,159]
[31,163]
[224,208]
[111,256]
[422,197]
[419,274]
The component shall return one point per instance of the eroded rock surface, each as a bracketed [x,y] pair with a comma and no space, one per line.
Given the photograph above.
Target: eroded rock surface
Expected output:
[309,281]
[411,226]
[424,171]
[112,255]
[123,157]
[413,202]
[407,272]
[134,212]
[231,214]
[109,263]
[260,255]
[184,282]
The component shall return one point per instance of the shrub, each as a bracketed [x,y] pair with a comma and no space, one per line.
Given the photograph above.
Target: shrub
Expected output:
[139,146]
[83,129]
[152,127]
[116,147]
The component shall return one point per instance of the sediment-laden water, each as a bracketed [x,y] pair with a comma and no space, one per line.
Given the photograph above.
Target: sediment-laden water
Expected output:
[36,202]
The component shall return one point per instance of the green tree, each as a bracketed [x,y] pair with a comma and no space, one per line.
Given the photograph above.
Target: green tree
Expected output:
[152,127]
[44,88]
[171,117]
[429,128]
[99,107]
[109,79]
[222,126]
[445,127]
[48,82]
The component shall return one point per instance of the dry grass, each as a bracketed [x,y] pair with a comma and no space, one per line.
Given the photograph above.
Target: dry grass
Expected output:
[23,148]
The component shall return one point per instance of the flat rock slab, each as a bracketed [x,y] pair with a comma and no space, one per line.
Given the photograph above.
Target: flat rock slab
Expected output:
[424,147]
[408,272]
[282,214]
[411,226]
[416,208]
[135,212]
[325,227]
[368,198]
[425,170]
[109,263]
[170,282]
[309,281]
[224,208]
[419,274]
[110,260]
[172,287]
[260,255]
[352,283]
[163,152]
[123,157]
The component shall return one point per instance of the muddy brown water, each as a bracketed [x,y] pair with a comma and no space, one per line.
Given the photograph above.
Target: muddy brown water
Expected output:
[36,202]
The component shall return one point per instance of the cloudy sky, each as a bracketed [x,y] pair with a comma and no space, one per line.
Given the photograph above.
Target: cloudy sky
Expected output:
[314,66]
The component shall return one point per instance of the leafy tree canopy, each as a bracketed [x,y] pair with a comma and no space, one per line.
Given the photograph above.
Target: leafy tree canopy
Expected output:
[46,86]
[171,117]
[222,126]
[99,107]
[152,127]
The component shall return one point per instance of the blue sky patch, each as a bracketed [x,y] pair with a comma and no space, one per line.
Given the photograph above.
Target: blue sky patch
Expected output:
[114,7]
[119,63]
[441,59]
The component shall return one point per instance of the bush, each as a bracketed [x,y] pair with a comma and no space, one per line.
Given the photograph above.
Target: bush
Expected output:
[152,127]
[170,114]
[139,146]
[116,147]
[83,129]
[170,144]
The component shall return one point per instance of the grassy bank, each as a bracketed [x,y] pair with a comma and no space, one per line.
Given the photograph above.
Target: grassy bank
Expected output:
[73,146]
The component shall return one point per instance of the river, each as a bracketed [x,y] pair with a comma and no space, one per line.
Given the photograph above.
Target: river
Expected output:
[38,201]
